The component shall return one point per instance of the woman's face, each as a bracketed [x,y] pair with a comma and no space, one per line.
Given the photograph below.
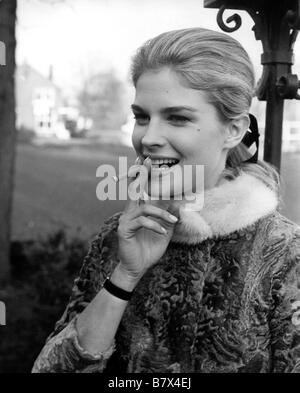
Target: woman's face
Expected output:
[176,122]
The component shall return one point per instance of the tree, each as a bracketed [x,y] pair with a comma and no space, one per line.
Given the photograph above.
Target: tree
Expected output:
[101,99]
[7,130]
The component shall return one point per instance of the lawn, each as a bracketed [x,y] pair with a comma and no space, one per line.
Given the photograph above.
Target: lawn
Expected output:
[55,187]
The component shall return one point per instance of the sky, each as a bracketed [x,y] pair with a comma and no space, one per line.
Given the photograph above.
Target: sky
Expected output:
[82,37]
[79,37]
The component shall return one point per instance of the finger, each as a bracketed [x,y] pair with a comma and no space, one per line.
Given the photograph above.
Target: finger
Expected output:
[147,223]
[138,161]
[134,188]
[136,168]
[144,175]
[144,179]
[154,211]
[174,210]
[133,172]
[137,186]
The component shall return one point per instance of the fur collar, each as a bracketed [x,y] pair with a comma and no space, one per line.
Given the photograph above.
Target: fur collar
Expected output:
[228,207]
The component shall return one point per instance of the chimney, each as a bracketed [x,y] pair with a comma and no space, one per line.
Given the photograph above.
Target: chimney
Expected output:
[50,77]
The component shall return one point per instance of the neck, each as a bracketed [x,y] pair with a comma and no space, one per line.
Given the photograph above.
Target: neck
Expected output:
[212,178]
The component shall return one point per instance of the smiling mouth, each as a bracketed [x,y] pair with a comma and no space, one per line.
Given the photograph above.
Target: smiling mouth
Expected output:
[163,164]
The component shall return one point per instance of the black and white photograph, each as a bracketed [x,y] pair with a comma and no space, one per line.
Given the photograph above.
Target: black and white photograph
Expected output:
[149,189]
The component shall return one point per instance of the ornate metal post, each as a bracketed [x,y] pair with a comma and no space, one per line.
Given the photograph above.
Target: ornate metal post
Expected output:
[276,26]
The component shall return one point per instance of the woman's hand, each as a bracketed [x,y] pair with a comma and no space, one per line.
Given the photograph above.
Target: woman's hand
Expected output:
[144,231]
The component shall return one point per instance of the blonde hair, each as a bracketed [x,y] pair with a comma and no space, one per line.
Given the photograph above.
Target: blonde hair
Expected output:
[217,64]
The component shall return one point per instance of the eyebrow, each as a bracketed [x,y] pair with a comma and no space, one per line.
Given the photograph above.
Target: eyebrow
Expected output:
[170,109]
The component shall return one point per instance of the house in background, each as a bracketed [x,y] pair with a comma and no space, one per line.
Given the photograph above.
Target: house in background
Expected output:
[38,102]
[41,108]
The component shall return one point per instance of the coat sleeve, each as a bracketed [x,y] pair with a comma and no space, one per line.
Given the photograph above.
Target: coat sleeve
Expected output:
[285,313]
[62,352]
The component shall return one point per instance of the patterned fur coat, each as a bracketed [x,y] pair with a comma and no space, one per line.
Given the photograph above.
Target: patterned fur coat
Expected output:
[225,297]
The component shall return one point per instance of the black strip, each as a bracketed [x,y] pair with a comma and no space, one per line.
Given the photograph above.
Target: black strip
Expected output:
[251,137]
[116,291]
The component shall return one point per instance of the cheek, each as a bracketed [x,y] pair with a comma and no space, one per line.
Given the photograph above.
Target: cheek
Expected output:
[136,139]
[202,150]
[211,142]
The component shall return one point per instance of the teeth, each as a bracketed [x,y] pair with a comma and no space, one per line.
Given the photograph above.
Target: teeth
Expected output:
[160,168]
[163,161]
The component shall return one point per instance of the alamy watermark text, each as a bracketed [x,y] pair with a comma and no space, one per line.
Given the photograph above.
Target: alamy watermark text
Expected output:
[2,313]
[2,54]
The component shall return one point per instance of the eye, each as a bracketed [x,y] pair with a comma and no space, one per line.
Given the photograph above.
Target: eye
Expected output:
[141,119]
[178,120]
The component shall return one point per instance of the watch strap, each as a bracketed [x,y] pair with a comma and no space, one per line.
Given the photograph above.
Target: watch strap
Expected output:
[116,291]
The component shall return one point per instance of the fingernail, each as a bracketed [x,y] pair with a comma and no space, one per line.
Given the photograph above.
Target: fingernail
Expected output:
[173,218]
[138,161]
[163,230]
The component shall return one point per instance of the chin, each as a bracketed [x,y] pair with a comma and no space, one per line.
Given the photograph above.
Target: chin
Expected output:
[163,191]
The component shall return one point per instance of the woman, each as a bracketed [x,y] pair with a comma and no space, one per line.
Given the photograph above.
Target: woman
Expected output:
[213,290]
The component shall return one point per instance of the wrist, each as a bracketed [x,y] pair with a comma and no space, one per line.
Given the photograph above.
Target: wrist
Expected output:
[123,279]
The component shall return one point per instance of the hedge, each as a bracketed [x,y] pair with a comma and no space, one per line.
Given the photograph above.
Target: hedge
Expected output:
[42,276]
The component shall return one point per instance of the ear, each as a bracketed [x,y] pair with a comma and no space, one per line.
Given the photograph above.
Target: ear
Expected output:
[236,130]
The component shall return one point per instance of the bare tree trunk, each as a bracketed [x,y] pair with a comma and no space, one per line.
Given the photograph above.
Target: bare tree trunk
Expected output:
[7,130]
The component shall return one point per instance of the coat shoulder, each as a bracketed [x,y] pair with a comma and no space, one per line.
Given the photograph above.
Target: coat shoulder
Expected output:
[280,228]
[281,242]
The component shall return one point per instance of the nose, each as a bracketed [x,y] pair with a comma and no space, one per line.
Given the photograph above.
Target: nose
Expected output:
[153,136]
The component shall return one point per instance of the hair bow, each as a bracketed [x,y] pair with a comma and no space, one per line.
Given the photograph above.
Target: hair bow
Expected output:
[251,136]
